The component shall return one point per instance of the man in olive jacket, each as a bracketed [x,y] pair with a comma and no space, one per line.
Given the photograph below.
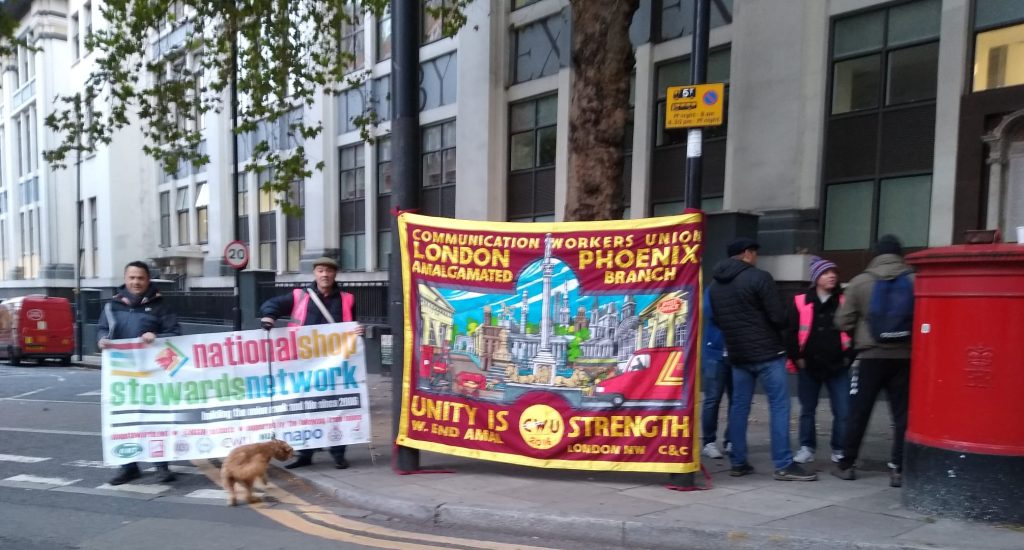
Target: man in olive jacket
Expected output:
[879,365]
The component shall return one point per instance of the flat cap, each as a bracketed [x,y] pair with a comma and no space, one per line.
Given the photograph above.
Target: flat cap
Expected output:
[326,261]
[741,245]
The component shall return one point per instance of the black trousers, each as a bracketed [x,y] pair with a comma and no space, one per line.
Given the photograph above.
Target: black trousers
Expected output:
[874,375]
[337,452]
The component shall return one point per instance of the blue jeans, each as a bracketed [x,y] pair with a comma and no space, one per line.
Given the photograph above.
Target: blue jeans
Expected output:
[808,389]
[773,378]
[716,381]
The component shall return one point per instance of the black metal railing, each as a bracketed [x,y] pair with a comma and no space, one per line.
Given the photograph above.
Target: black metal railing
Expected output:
[371,298]
[192,306]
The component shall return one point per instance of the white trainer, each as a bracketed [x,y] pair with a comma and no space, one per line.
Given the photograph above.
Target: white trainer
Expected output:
[804,455]
[711,451]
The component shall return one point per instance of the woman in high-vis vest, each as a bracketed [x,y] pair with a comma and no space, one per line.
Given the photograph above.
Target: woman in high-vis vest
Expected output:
[820,355]
[319,303]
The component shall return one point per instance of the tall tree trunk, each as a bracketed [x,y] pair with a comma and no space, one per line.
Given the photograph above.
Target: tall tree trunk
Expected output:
[602,62]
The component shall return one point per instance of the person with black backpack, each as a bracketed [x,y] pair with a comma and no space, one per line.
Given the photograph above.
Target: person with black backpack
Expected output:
[879,312]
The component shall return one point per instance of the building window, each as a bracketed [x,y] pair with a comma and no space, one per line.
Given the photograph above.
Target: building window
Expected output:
[516,4]
[165,219]
[182,208]
[87,25]
[880,135]
[353,208]
[383,203]
[81,237]
[295,226]
[437,192]
[267,222]
[438,81]
[351,106]
[998,44]
[202,212]
[541,48]
[243,210]
[75,39]
[26,68]
[352,41]
[667,193]
[532,151]
[677,17]
[384,35]
[432,28]
[94,239]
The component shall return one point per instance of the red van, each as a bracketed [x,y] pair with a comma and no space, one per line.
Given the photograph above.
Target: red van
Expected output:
[36,327]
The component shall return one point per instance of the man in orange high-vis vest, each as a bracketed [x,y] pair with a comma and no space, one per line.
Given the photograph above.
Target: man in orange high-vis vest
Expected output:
[300,305]
[821,355]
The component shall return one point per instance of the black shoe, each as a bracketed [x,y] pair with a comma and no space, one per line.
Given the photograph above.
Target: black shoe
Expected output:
[795,472]
[341,464]
[847,474]
[125,476]
[895,479]
[164,474]
[741,470]
[299,462]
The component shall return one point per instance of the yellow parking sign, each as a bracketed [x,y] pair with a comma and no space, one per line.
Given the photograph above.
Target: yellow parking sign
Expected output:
[694,106]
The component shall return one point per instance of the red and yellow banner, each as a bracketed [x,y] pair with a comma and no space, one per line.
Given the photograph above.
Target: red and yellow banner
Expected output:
[558,345]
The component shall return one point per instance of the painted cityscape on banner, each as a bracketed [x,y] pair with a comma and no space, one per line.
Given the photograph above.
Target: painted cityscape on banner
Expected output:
[575,347]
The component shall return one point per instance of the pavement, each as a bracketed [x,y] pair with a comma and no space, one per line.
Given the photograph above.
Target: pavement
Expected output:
[635,510]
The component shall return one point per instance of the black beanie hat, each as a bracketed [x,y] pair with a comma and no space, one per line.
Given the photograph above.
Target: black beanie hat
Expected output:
[888,244]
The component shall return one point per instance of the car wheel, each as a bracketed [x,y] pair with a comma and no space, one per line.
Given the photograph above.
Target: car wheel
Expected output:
[14,356]
[618,400]
[66,360]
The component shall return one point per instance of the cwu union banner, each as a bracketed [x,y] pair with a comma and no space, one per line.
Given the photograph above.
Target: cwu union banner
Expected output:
[199,396]
[559,345]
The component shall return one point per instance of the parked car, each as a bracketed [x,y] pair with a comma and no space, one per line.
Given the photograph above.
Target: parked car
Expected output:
[36,327]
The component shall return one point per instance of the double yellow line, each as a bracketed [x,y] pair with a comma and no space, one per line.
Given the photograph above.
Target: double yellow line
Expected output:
[333,527]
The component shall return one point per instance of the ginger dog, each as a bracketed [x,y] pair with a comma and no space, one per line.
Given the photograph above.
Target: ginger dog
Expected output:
[248,463]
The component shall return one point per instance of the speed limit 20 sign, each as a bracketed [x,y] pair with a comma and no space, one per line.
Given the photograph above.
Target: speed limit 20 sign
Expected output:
[236,254]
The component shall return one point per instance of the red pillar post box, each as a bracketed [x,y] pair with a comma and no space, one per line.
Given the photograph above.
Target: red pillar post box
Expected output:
[965,435]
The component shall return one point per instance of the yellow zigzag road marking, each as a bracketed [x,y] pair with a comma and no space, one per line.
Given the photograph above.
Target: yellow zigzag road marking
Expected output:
[294,521]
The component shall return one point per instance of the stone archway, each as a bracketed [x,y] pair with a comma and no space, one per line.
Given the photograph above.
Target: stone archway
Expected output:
[1006,175]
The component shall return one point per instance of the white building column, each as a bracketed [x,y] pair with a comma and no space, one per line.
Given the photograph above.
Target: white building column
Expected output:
[952,59]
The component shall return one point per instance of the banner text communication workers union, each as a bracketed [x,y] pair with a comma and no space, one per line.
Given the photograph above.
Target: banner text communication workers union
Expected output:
[560,345]
[199,396]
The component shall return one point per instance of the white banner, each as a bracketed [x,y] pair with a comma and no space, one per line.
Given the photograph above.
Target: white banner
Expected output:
[199,396]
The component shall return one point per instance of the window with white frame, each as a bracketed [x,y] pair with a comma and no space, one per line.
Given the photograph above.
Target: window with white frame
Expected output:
[182,208]
[295,227]
[267,223]
[353,210]
[384,35]
[203,212]
[93,227]
[75,38]
[352,41]
[384,184]
[165,219]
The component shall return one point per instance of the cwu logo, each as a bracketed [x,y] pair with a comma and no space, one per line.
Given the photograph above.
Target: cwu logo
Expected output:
[171,359]
[128,450]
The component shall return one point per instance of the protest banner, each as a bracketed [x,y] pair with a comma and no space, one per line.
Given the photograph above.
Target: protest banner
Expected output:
[199,396]
[561,345]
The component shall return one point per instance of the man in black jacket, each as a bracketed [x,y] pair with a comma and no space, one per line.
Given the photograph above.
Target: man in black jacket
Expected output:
[749,311]
[137,311]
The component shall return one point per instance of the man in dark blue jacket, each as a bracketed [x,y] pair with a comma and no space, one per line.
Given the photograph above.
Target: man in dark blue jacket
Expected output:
[137,311]
[749,311]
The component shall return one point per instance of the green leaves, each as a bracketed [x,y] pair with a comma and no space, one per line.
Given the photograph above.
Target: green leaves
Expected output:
[166,65]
